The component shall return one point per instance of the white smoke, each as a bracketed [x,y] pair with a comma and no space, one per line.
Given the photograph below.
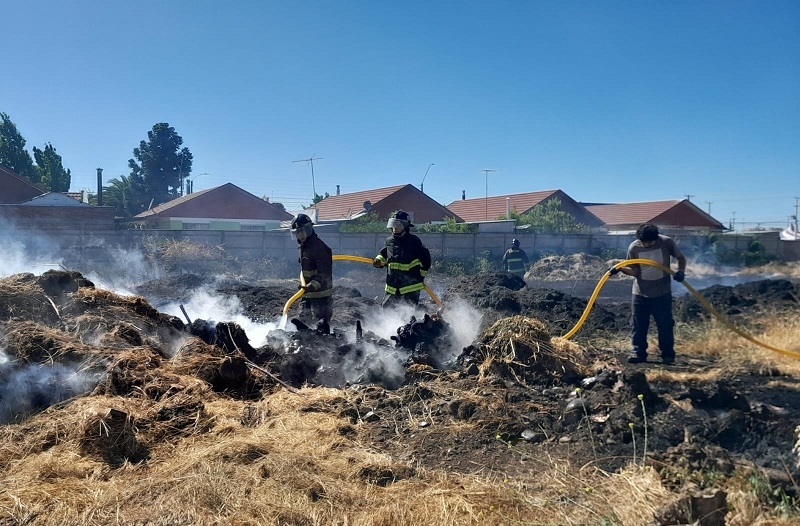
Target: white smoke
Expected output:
[37,254]
[220,308]
[32,387]
[125,270]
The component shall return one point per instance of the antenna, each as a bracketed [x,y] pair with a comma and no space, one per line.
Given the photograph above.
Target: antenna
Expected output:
[310,160]
[486,199]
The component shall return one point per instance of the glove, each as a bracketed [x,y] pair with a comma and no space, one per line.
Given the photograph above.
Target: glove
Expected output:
[678,276]
[613,271]
[377,263]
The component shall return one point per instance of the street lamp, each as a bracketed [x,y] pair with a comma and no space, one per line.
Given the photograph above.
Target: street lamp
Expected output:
[423,179]
[190,182]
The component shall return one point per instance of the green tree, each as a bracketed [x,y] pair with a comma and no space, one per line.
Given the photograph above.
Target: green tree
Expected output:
[13,154]
[549,218]
[450,226]
[120,194]
[52,174]
[318,198]
[367,223]
[159,167]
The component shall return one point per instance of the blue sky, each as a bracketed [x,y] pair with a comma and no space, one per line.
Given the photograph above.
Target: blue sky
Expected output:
[611,101]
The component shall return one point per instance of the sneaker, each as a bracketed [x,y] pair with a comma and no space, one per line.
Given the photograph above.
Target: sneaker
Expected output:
[635,358]
[668,360]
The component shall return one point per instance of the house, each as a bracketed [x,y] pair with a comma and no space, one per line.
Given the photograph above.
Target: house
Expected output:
[674,215]
[16,189]
[382,201]
[225,207]
[55,211]
[491,208]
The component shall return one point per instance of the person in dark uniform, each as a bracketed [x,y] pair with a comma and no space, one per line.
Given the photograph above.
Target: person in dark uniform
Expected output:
[515,260]
[407,261]
[316,267]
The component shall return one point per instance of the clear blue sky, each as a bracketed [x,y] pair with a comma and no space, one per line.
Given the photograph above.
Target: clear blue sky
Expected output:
[610,101]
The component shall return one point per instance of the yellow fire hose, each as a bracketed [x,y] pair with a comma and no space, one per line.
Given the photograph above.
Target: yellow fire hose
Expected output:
[691,289]
[345,257]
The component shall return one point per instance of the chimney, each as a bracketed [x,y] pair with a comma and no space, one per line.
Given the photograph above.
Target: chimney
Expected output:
[99,187]
[337,189]
[463,195]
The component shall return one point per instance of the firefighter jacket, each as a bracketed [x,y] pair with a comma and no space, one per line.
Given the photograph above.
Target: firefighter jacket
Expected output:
[316,266]
[407,262]
[515,261]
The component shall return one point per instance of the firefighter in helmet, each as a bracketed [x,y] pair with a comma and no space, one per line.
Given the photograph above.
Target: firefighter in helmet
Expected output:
[316,267]
[406,259]
[515,260]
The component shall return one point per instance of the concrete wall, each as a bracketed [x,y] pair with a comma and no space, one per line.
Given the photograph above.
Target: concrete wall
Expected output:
[86,245]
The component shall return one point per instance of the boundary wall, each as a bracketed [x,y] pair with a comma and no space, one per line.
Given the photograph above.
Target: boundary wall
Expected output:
[85,244]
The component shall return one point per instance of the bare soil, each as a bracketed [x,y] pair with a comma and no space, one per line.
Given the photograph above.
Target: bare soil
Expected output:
[517,384]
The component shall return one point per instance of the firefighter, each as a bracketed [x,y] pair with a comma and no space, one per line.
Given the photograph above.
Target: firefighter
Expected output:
[407,261]
[316,266]
[515,260]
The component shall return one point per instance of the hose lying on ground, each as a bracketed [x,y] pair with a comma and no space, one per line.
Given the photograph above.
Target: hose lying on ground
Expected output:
[691,289]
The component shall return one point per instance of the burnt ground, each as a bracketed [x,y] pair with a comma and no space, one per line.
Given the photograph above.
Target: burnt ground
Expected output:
[515,395]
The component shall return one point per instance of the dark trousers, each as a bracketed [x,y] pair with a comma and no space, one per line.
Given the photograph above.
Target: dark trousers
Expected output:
[318,308]
[411,298]
[660,308]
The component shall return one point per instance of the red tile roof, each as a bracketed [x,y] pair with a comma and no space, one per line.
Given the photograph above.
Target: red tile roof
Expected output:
[676,213]
[489,209]
[222,202]
[345,206]
[629,213]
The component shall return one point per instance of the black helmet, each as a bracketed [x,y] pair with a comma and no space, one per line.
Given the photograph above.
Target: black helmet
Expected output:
[399,218]
[647,232]
[302,223]
[515,243]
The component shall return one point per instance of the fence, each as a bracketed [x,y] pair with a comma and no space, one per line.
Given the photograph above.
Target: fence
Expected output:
[84,244]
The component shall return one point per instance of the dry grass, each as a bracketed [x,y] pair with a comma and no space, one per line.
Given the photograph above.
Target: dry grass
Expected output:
[777,329]
[287,466]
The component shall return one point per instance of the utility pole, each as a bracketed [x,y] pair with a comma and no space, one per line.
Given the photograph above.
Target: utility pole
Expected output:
[311,160]
[796,207]
[732,226]
[709,207]
[486,199]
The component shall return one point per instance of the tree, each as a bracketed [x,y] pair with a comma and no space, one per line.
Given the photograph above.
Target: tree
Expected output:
[548,218]
[318,198]
[13,154]
[159,167]
[120,194]
[51,172]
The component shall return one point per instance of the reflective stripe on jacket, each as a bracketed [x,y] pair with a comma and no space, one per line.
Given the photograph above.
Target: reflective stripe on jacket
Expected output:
[407,263]
[515,260]
[316,264]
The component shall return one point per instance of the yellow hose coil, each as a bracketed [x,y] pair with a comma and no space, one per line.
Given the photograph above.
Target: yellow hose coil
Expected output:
[691,289]
[345,257]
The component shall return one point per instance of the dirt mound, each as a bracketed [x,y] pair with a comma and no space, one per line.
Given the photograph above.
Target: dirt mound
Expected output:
[749,299]
[520,348]
[569,267]
[499,295]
